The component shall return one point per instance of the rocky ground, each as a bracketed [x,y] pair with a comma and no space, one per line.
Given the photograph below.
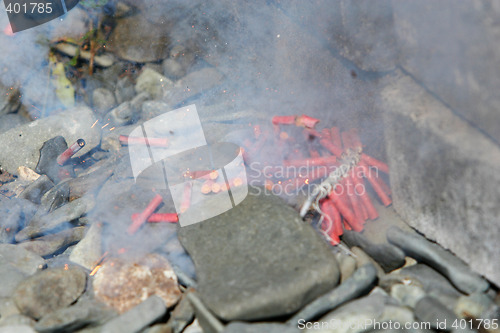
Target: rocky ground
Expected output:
[67,262]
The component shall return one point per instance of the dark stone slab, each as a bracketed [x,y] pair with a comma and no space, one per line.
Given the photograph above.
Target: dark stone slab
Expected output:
[388,256]
[446,263]
[359,284]
[49,290]
[259,260]
[444,174]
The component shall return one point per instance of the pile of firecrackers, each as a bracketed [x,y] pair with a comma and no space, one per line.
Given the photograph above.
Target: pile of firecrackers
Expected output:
[333,166]
[330,162]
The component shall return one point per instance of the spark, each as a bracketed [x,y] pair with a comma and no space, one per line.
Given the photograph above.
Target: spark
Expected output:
[96,268]
[94,123]
[105,125]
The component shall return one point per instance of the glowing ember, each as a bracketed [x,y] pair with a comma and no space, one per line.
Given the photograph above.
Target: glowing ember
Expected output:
[96,268]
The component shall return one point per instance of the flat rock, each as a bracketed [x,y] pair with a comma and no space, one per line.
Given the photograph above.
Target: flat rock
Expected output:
[435,256]
[431,280]
[17,329]
[9,99]
[388,256]
[353,313]
[37,189]
[17,319]
[49,290]
[138,317]
[138,40]
[89,250]
[103,100]
[21,145]
[11,120]
[56,218]
[14,215]
[54,243]
[359,284]
[10,277]
[259,260]
[69,319]
[152,82]
[429,309]
[23,260]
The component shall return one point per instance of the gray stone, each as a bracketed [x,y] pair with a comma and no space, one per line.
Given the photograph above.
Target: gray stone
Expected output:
[69,319]
[37,189]
[359,284]
[402,316]
[363,259]
[432,282]
[136,39]
[444,174]
[17,329]
[184,54]
[8,307]
[360,31]
[407,295]
[11,120]
[10,277]
[193,84]
[182,315]
[173,69]
[362,310]
[435,256]
[473,305]
[151,109]
[347,265]
[138,317]
[21,145]
[139,99]
[251,248]
[124,90]
[238,327]
[53,199]
[430,310]
[49,290]
[56,218]
[51,244]
[387,256]
[89,250]
[47,164]
[194,328]
[121,115]
[152,82]
[103,100]
[461,68]
[9,99]
[16,320]
[14,213]
[207,320]
[22,259]
[90,180]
